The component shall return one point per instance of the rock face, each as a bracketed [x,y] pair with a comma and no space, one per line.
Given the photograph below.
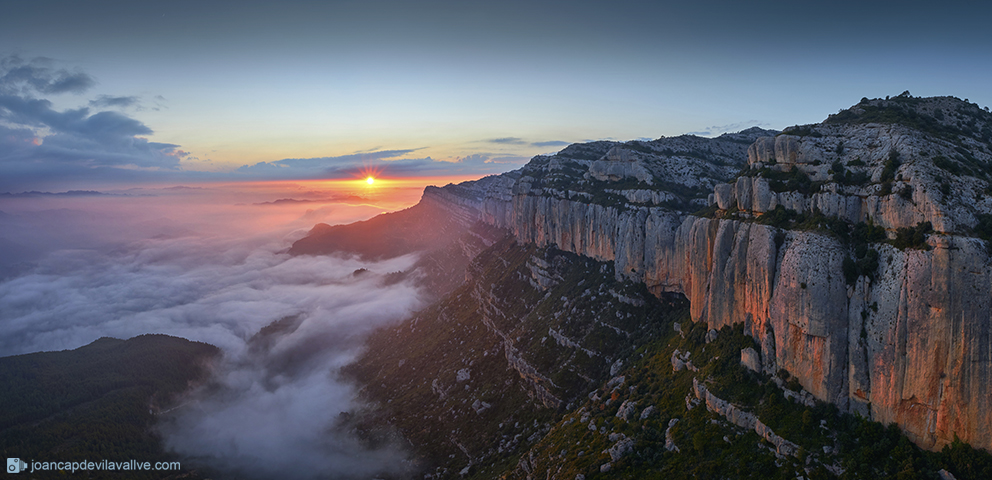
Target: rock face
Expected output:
[783,149]
[924,363]
[922,357]
[753,194]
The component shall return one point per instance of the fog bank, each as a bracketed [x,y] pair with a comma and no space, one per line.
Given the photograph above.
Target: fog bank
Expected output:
[208,265]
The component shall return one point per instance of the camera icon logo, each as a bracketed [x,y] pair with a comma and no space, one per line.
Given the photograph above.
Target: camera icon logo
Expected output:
[16,465]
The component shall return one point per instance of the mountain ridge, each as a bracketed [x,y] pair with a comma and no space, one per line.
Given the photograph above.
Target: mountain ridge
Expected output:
[770,234]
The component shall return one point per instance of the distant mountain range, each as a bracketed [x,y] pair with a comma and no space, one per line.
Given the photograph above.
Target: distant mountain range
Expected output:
[70,193]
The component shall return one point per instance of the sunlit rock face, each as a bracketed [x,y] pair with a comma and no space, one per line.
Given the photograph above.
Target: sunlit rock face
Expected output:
[911,347]
[923,361]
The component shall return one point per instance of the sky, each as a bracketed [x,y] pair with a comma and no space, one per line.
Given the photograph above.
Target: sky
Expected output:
[96,94]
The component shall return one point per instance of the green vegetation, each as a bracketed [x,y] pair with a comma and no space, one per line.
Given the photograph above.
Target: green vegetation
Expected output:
[707,212]
[794,180]
[639,147]
[802,131]
[913,237]
[891,166]
[944,187]
[569,179]
[907,192]
[710,447]
[780,217]
[864,262]
[96,402]
[857,237]
[942,162]
[788,219]
[414,367]
[411,372]
[983,229]
[586,151]
[968,120]
[854,178]
[844,176]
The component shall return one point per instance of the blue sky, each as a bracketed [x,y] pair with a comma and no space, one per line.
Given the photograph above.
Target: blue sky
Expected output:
[186,91]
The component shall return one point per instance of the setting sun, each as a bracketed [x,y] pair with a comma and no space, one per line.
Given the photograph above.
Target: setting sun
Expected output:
[370,180]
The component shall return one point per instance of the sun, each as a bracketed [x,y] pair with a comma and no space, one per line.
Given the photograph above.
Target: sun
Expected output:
[369,176]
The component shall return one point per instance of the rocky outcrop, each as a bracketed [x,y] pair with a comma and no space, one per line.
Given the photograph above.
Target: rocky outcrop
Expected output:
[618,164]
[751,359]
[782,149]
[742,419]
[754,194]
[669,440]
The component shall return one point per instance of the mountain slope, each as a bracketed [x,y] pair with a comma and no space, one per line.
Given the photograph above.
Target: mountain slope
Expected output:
[98,401]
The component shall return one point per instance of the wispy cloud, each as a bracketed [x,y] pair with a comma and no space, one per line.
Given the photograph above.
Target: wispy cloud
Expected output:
[522,142]
[508,141]
[388,162]
[492,159]
[105,101]
[551,143]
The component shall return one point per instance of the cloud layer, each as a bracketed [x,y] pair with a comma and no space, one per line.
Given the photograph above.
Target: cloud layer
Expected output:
[272,405]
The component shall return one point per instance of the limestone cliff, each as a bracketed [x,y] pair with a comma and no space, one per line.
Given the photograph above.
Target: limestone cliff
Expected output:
[907,344]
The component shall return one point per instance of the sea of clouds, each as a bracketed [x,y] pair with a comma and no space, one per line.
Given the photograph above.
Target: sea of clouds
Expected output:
[210,265]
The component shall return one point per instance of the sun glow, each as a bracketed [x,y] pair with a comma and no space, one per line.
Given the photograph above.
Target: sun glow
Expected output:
[370,180]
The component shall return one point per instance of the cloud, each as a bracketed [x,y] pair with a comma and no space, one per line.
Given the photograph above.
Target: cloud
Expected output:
[507,141]
[271,408]
[551,143]
[491,159]
[103,101]
[715,130]
[39,142]
[384,161]
[520,141]
[331,163]
[38,75]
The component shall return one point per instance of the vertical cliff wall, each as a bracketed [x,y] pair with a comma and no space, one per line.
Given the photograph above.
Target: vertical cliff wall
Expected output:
[913,347]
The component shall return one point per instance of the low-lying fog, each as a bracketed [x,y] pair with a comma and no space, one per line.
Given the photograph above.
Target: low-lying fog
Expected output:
[208,264]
